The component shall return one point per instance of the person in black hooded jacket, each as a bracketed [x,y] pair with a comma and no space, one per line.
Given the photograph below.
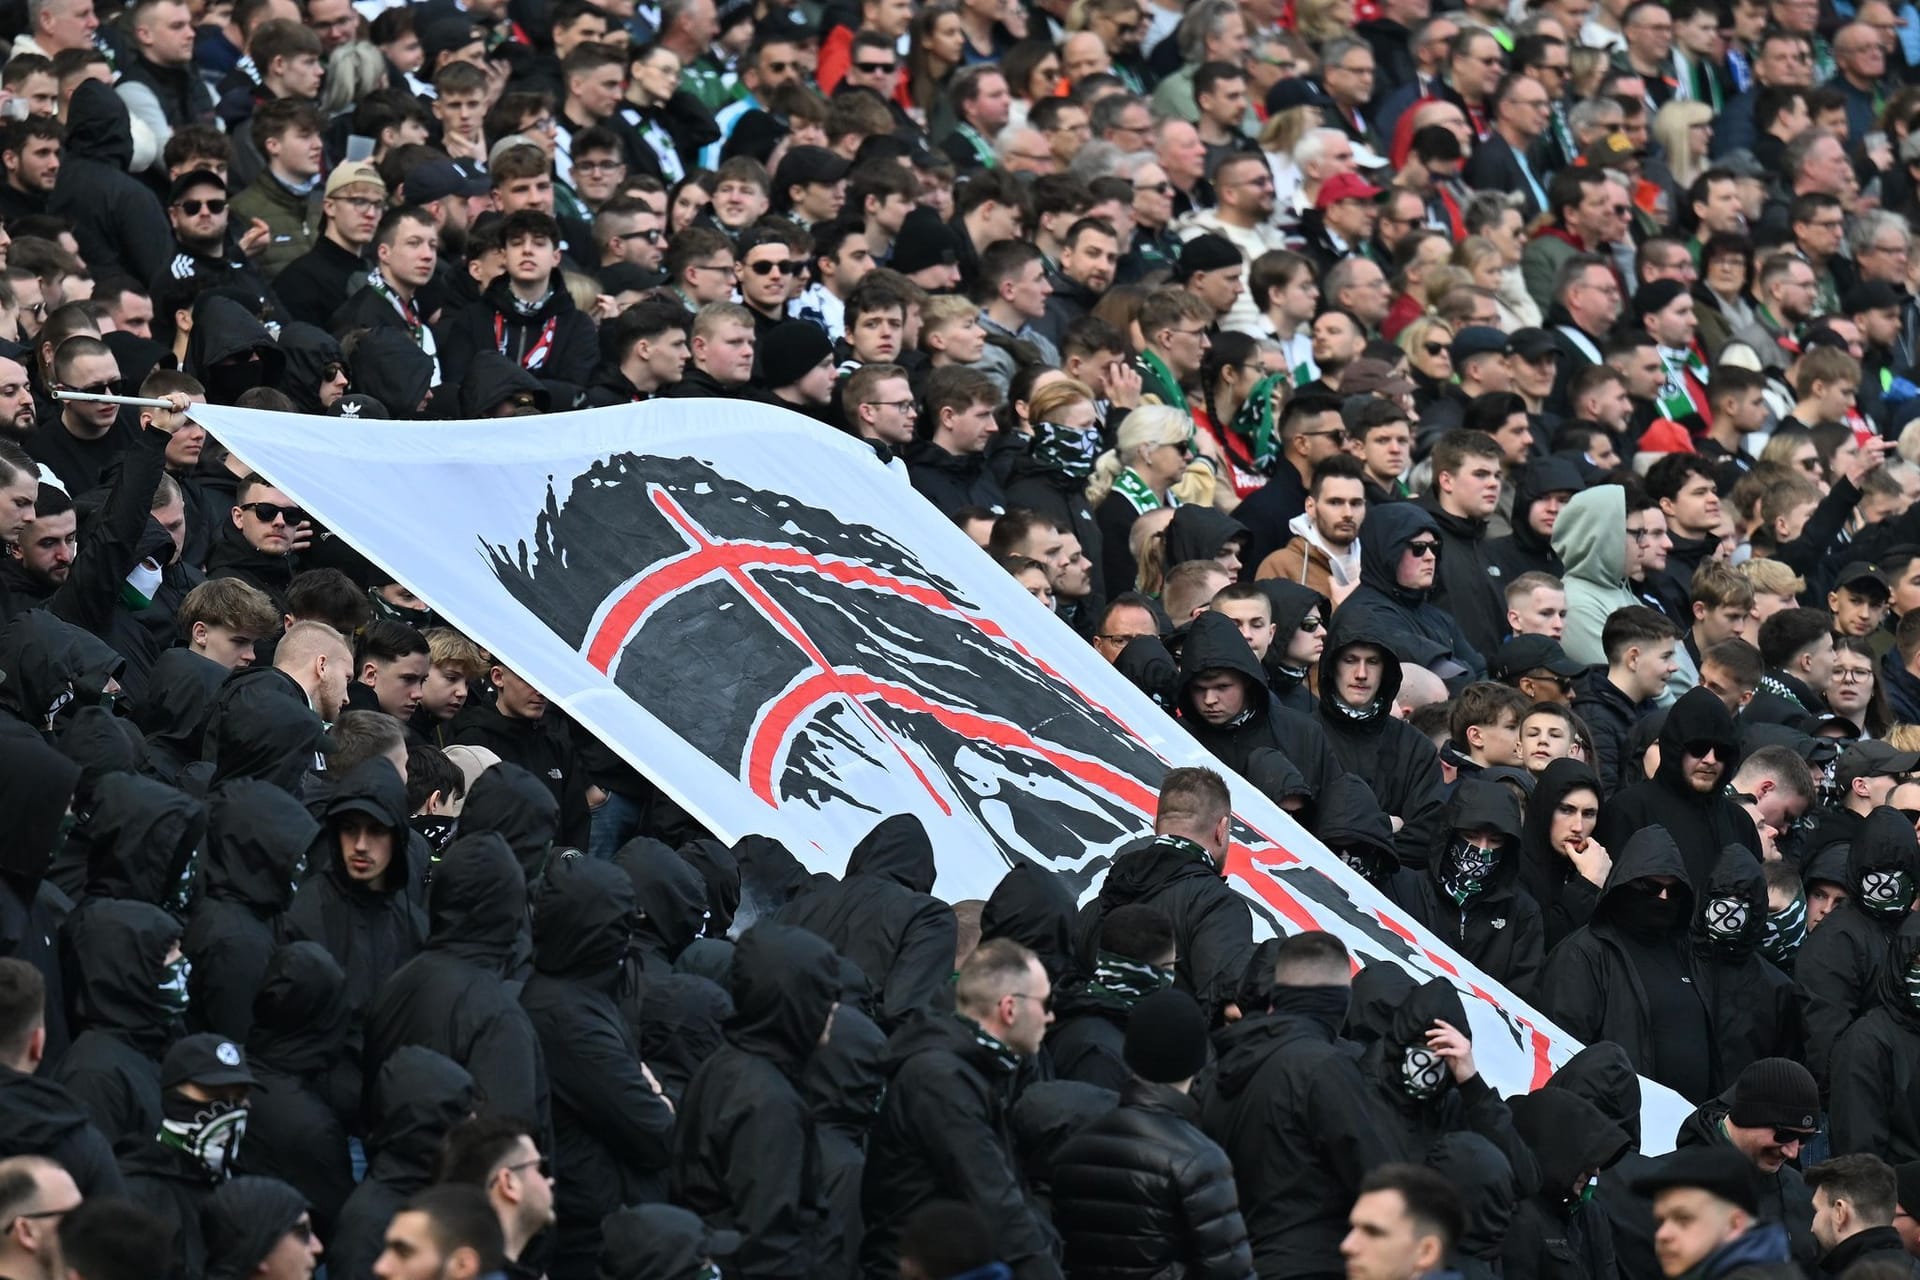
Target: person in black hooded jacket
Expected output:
[1033,906]
[1359,681]
[142,841]
[390,366]
[1426,1081]
[1602,1075]
[612,1125]
[1686,799]
[1751,1004]
[258,841]
[175,712]
[1234,723]
[845,1080]
[1875,1092]
[1840,966]
[231,352]
[1540,489]
[1630,976]
[1485,1181]
[884,918]
[1565,802]
[37,1116]
[661,1242]
[451,997]
[1471,896]
[540,746]
[354,900]
[37,785]
[1292,1111]
[417,1096]
[494,382]
[1135,959]
[745,1155]
[1202,533]
[310,351]
[261,727]
[118,222]
[1557,1233]
[297,1118]
[519,808]
[1394,601]
[1294,652]
[1355,829]
[128,993]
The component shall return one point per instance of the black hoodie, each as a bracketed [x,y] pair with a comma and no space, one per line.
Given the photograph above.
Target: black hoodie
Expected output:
[1034,907]
[1702,824]
[142,838]
[1875,1104]
[451,997]
[1466,582]
[1396,759]
[53,669]
[390,366]
[1602,1075]
[1214,643]
[541,747]
[1525,550]
[496,321]
[613,1130]
[301,1103]
[257,848]
[513,804]
[1291,602]
[1200,533]
[492,380]
[1415,628]
[845,1081]
[308,349]
[1566,897]
[224,332]
[1751,1004]
[261,727]
[1838,969]
[745,1157]
[884,918]
[1488,1190]
[1351,823]
[175,712]
[1630,976]
[121,1021]
[1556,1235]
[1498,926]
[418,1095]
[1212,922]
[118,222]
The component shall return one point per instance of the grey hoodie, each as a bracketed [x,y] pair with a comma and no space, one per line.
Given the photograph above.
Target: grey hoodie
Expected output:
[1590,539]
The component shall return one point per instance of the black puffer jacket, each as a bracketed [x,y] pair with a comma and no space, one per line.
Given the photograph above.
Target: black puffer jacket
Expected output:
[884,919]
[418,1095]
[944,1133]
[369,927]
[451,998]
[1702,824]
[1498,927]
[1143,1193]
[845,1080]
[1214,643]
[174,714]
[1752,1005]
[1407,621]
[258,841]
[612,1129]
[1839,966]
[1302,1127]
[1396,759]
[119,224]
[1033,906]
[297,1120]
[1555,1235]
[1596,983]
[1566,898]
[745,1157]
[1212,922]
[1875,1104]
[122,1024]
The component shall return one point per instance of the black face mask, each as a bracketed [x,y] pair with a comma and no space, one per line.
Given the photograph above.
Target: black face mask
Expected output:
[227,382]
[438,830]
[1326,1006]
[1638,909]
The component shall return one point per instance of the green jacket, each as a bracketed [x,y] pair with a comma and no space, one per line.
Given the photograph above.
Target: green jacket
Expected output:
[293,220]
[1591,540]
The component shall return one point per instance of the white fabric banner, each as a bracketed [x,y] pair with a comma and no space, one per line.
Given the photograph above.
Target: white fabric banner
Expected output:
[785,638]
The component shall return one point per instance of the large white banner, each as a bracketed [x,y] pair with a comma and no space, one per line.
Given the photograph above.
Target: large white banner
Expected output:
[785,638]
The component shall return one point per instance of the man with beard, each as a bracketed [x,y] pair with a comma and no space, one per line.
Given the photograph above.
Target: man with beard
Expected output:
[1786,292]
[1697,754]
[16,401]
[1359,682]
[1324,554]
[1244,217]
[198,212]
[1088,254]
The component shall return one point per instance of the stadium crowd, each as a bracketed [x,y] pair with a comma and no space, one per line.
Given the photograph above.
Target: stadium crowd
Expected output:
[1493,432]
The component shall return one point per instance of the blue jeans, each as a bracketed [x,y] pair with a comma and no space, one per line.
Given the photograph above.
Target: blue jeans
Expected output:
[614,823]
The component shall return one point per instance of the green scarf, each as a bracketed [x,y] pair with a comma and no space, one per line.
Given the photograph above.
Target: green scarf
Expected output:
[1160,382]
[1674,401]
[1253,422]
[1120,981]
[1006,1057]
[981,148]
[1130,486]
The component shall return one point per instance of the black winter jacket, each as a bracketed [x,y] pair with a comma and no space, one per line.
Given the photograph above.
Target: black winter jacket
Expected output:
[1701,823]
[39,1118]
[174,714]
[542,749]
[1555,1236]
[1600,1074]
[1610,716]
[1302,1127]
[1838,968]
[1411,624]
[1062,499]
[1498,928]
[944,1133]
[884,919]
[1034,907]
[1751,1004]
[1566,898]
[1466,583]
[497,320]
[452,997]
[118,222]
[845,1080]
[1142,1193]
[1214,643]
[418,1095]
[745,1155]
[258,841]
[1396,759]
[1784,1197]
[122,1025]
[174,1186]
[1876,1070]
[1212,922]
[951,481]
[612,1128]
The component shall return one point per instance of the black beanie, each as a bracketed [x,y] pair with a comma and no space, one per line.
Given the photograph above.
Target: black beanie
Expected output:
[1656,295]
[792,348]
[1166,1038]
[244,1218]
[1775,1093]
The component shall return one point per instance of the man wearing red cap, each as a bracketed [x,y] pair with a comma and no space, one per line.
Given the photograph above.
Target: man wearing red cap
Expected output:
[1341,220]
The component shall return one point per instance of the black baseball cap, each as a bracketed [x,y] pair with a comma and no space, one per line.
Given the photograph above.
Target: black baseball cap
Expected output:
[1865,577]
[204,1059]
[438,178]
[1532,653]
[194,178]
[1533,344]
[1718,1170]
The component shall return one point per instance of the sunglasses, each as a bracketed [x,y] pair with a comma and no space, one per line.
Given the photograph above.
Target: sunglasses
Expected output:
[766,268]
[875,68]
[1423,548]
[1436,348]
[111,387]
[1563,683]
[334,369]
[1311,623]
[217,205]
[268,512]
[1158,188]
[1787,1137]
[1703,750]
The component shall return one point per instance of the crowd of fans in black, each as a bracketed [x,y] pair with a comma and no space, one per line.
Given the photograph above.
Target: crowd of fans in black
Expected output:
[1489,431]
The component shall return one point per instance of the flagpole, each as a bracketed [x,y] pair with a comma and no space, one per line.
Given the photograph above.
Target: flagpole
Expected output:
[89,397]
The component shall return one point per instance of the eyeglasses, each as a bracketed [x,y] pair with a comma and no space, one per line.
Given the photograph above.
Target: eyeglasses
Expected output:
[766,268]
[905,406]
[1852,675]
[1157,188]
[875,68]
[1045,1002]
[1423,548]
[711,266]
[111,387]
[1335,434]
[38,1213]
[216,206]
[543,124]
[546,1170]
[268,512]
[1641,535]
[360,204]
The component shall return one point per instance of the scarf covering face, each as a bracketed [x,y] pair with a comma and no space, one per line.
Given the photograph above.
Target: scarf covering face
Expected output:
[210,1132]
[1725,919]
[1068,449]
[1423,1073]
[1786,930]
[1468,866]
[1888,893]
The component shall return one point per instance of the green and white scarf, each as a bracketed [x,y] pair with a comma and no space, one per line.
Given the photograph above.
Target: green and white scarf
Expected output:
[1161,383]
[1673,399]
[1253,422]
[1130,486]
